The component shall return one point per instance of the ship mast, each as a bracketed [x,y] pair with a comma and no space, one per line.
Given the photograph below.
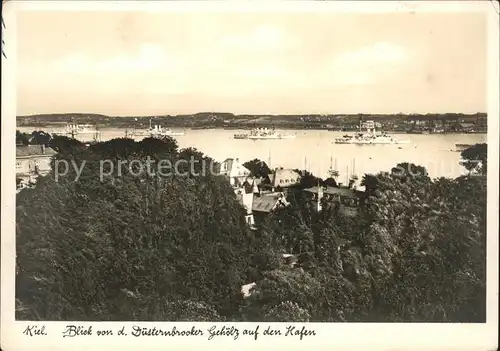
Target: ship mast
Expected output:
[97,134]
[72,127]
[333,171]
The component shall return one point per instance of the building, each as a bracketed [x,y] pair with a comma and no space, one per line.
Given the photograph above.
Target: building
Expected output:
[265,203]
[259,197]
[466,127]
[32,160]
[348,200]
[245,195]
[235,171]
[284,178]
[244,185]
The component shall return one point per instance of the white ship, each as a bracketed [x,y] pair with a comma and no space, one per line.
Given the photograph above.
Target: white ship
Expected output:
[75,129]
[369,137]
[158,131]
[265,134]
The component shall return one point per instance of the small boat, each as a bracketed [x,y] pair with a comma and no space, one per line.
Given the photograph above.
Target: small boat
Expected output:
[240,136]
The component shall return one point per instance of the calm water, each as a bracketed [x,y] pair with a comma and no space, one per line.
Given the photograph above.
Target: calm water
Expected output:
[314,150]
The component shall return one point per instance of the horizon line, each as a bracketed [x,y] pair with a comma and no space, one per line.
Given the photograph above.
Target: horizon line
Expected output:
[260,114]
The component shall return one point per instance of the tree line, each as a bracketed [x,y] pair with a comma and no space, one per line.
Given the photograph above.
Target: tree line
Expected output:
[177,248]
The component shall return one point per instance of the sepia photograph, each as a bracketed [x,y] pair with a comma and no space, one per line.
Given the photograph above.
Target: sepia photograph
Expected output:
[249,166]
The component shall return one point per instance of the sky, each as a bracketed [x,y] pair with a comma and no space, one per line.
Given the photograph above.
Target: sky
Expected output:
[132,63]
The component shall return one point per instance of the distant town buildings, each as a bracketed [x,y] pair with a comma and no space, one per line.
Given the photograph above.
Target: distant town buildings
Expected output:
[466,127]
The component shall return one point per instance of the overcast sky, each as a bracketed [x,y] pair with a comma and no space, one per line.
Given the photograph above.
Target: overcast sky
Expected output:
[171,63]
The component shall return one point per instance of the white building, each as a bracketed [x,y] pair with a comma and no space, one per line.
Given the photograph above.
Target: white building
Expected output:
[243,183]
[284,178]
[32,161]
[235,171]
[251,196]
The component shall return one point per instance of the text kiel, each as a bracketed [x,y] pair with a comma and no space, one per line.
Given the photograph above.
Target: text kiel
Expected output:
[33,330]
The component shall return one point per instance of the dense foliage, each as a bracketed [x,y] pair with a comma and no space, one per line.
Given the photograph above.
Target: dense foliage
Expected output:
[476,158]
[143,247]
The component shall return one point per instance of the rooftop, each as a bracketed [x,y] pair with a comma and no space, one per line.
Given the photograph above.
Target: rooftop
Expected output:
[267,202]
[285,177]
[34,150]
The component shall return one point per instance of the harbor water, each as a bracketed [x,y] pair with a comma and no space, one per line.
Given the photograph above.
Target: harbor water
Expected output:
[314,150]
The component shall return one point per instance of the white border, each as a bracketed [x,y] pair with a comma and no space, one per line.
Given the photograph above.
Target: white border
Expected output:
[329,336]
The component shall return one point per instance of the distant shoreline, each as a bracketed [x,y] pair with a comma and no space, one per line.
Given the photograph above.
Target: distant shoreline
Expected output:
[397,123]
[41,127]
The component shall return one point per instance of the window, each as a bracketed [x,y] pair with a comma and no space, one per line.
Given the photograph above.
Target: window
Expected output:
[286,181]
[281,180]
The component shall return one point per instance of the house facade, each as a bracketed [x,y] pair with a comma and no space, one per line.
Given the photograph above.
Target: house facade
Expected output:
[32,161]
[235,171]
[243,184]
[284,178]
[245,195]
